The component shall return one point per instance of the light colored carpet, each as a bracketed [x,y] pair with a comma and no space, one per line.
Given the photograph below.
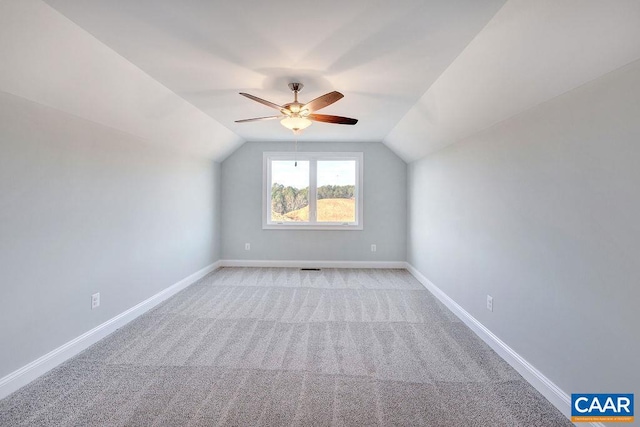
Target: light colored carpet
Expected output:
[277,347]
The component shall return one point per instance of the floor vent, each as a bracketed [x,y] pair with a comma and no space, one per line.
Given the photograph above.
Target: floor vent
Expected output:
[310,269]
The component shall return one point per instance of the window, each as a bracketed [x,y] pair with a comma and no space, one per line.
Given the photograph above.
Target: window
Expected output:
[319,191]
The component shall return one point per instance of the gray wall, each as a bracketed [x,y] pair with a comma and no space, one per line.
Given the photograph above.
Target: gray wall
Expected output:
[385,181]
[84,209]
[542,212]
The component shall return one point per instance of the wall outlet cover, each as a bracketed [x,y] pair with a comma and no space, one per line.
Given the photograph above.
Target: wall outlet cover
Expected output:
[95,300]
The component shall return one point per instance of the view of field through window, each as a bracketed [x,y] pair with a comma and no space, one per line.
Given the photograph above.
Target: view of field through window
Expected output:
[336,191]
[335,195]
[289,190]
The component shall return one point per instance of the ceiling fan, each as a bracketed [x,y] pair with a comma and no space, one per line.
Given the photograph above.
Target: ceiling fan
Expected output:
[297,116]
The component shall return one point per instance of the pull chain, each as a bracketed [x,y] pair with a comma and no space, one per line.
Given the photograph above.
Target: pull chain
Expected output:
[295,156]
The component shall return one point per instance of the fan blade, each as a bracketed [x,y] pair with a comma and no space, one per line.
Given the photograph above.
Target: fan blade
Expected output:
[265,102]
[259,119]
[332,119]
[323,101]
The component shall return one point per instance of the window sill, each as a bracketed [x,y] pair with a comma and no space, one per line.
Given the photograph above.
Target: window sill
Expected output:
[350,227]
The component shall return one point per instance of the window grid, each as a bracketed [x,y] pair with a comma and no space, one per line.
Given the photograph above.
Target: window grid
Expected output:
[313,158]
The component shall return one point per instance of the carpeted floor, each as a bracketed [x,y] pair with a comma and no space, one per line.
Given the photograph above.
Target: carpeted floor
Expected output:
[277,347]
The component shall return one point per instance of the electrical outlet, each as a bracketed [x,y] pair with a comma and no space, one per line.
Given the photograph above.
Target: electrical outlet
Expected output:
[373,248]
[489,303]
[247,246]
[95,300]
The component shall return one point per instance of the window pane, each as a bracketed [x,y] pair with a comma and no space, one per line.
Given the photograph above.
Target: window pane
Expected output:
[336,191]
[289,191]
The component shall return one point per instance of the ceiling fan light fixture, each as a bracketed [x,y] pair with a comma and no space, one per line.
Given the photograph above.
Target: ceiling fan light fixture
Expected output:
[295,123]
[297,116]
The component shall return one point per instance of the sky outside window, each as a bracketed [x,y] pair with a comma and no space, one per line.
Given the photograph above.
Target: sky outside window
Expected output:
[286,173]
[336,172]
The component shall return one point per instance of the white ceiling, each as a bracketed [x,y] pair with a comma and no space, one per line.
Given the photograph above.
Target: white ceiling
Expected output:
[383,55]
[530,52]
[418,74]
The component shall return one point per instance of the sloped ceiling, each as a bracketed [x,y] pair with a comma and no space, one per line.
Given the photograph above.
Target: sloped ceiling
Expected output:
[417,74]
[530,52]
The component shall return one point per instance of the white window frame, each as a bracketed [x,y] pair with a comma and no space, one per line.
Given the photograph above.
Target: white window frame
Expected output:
[313,158]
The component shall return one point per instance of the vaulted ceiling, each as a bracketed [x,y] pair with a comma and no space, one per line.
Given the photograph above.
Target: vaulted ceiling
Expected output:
[418,74]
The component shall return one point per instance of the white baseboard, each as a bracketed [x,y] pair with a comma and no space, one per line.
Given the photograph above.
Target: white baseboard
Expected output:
[544,385]
[311,264]
[42,365]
